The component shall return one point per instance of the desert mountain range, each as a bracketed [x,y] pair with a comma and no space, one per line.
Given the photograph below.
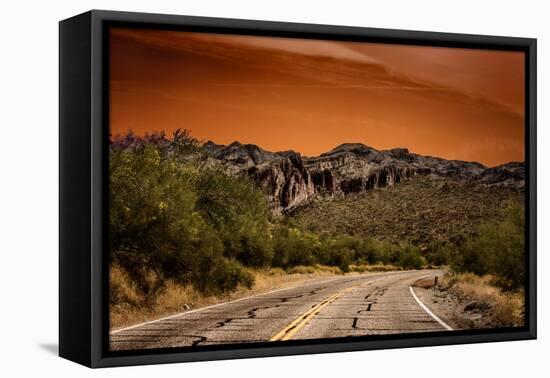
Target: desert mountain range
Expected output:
[291,180]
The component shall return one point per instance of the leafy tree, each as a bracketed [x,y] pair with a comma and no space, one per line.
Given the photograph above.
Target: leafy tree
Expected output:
[238,212]
[156,231]
[151,215]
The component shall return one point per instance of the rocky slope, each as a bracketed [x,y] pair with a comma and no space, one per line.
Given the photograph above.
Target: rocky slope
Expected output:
[291,180]
[418,210]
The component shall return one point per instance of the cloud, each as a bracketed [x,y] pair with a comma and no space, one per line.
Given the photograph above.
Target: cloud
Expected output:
[173,41]
[327,49]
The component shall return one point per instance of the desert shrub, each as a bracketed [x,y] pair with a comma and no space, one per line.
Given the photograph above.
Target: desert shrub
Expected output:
[328,269]
[506,242]
[291,247]
[337,251]
[410,257]
[182,144]
[340,258]
[470,258]
[379,251]
[122,291]
[439,252]
[497,249]
[383,268]
[354,245]
[227,275]
[358,268]
[238,212]
[276,272]
[301,269]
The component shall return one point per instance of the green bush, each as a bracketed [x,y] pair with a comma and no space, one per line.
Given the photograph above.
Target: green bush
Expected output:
[343,250]
[439,253]
[410,257]
[239,213]
[291,247]
[380,251]
[497,249]
[228,274]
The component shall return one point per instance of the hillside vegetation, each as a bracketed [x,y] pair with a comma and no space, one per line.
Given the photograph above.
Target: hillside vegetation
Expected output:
[418,210]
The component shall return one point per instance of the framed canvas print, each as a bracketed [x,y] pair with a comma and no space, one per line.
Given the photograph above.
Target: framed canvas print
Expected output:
[233,188]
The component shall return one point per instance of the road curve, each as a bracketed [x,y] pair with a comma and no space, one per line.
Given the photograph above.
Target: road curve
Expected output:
[369,304]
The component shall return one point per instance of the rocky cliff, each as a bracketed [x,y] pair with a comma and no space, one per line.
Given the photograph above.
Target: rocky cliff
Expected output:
[291,180]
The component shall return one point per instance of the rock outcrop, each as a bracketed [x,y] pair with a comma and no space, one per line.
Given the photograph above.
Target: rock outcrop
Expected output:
[510,174]
[290,180]
[282,176]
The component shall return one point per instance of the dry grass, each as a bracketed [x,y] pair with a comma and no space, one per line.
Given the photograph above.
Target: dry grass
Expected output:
[129,308]
[317,269]
[374,268]
[324,269]
[505,309]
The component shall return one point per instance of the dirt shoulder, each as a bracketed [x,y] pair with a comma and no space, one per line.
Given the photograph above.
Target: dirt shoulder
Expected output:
[470,302]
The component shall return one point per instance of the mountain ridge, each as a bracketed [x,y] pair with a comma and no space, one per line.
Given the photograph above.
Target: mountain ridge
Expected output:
[291,180]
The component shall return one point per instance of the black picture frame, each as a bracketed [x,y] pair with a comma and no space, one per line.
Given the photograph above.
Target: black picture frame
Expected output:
[83,167]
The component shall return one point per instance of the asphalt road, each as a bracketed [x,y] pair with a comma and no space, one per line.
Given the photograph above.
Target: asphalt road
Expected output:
[369,304]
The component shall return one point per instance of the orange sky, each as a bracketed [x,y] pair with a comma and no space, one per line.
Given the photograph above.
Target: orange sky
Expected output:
[311,95]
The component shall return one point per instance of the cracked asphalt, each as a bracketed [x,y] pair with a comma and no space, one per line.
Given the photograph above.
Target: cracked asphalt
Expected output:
[368,304]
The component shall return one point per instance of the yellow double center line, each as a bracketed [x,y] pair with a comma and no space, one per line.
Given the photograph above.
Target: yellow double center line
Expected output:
[290,330]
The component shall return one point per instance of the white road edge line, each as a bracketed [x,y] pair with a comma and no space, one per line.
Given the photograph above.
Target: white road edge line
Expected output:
[425,308]
[216,305]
